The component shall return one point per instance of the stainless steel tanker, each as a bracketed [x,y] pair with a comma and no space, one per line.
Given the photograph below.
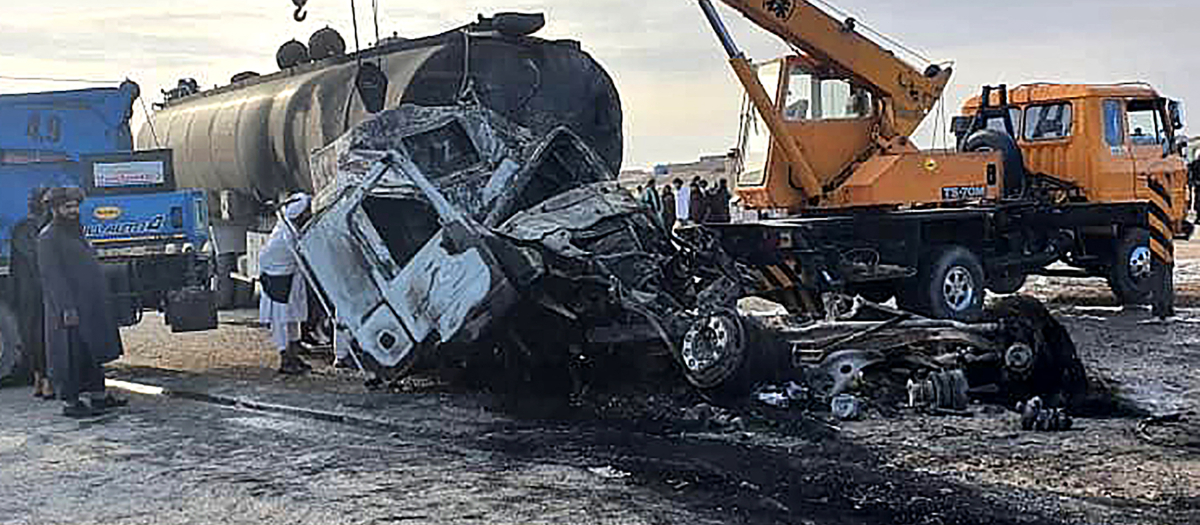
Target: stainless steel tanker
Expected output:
[249,142]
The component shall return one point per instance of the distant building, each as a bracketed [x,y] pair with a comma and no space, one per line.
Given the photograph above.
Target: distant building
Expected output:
[709,167]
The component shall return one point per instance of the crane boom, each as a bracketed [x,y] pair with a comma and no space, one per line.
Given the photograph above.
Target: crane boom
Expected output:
[912,93]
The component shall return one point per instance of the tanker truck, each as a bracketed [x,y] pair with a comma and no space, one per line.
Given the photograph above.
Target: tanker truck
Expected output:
[248,144]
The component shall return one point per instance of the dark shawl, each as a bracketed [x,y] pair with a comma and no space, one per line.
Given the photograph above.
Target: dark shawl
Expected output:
[28,289]
[73,279]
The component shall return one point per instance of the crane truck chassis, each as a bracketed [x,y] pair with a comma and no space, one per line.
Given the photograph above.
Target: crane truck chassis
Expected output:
[1092,176]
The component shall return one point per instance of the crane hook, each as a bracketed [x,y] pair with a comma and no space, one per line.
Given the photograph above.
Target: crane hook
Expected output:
[300,15]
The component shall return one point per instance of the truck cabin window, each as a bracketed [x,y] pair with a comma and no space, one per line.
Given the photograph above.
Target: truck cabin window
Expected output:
[1048,121]
[1114,125]
[997,123]
[812,97]
[1144,123]
[755,139]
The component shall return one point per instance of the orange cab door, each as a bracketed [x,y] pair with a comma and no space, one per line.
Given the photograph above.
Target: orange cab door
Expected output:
[1115,165]
[1155,170]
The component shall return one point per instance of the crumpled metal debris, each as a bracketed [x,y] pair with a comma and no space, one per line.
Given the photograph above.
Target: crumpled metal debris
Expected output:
[446,229]
[1035,415]
[846,407]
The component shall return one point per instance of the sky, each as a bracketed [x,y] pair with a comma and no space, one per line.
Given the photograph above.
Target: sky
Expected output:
[679,96]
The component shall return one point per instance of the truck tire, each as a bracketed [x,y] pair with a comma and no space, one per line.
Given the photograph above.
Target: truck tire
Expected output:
[1006,284]
[724,354]
[1014,161]
[1131,274]
[13,365]
[226,285]
[950,285]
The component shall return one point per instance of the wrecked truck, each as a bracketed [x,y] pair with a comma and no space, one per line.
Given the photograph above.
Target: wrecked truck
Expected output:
[444,231]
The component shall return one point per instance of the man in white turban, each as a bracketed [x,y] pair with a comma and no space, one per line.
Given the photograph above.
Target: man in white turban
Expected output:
[284,302]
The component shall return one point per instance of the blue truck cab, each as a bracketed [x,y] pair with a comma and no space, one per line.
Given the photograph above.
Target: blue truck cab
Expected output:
[152,238]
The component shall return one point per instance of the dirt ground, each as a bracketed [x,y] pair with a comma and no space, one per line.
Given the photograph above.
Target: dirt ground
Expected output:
[1120,469]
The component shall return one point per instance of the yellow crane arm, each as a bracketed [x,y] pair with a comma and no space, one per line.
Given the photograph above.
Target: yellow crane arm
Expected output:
[762,102]
[911,93]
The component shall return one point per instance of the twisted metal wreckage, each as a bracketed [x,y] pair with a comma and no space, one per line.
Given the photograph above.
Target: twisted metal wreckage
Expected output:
[449,231]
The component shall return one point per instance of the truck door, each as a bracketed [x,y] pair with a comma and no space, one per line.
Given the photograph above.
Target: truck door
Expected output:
[1115,167]
[1155,171]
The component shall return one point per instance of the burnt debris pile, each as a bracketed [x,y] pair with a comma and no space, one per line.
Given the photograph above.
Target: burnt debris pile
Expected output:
[451,236]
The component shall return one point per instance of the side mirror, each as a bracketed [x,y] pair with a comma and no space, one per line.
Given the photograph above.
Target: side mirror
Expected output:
[1175,110]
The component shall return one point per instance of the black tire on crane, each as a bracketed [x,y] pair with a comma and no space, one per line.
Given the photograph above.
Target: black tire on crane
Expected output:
[1014,161]
[1006,284]
[948,285]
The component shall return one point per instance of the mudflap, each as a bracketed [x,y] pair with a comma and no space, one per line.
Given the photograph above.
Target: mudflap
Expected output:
[191,310]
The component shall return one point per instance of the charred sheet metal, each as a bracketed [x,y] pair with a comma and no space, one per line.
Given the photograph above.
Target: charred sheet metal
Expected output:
[484,164]
[399,245]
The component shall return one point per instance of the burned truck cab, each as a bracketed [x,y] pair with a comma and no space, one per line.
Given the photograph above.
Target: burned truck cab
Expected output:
[400,246]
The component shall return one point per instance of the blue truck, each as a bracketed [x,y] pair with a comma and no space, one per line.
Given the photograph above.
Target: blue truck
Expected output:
[152,238]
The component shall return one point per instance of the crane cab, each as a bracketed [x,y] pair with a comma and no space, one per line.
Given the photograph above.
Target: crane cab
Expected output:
[854,141]
[823,112]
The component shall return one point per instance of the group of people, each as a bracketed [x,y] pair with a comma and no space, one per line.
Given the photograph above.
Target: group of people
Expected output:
[678,204]
[63,303]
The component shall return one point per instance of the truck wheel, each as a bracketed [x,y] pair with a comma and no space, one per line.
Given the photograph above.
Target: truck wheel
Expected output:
[726,354]
[1006,284]
[12,351]
[226,285]
[1131,273]
[952,285]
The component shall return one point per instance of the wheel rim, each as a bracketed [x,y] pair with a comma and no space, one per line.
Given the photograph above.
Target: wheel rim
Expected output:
[958,288]
[1139,263]
[711,350]
[706,345]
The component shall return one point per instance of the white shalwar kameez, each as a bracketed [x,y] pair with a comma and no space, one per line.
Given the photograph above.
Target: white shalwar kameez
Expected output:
[276,259]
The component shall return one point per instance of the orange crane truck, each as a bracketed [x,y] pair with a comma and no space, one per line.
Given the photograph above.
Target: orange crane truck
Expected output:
[1091,176]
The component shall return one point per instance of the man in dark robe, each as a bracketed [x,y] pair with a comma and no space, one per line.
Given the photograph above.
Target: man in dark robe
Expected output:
[668,203]
[81,331]
[697,213]
[652,199]
[718,205]
[28,290]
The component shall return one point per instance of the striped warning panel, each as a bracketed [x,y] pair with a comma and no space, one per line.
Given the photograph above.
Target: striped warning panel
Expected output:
[1159,220]
[782,283]
[777,277]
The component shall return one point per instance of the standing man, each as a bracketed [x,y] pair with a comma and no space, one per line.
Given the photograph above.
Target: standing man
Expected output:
[668,207]
[696,210]
[719,202]
[683,201]
[284,302]
[81,331]
[28,281]
[652,199]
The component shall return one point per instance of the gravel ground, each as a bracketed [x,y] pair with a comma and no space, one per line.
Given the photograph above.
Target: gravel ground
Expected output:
[619,456]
